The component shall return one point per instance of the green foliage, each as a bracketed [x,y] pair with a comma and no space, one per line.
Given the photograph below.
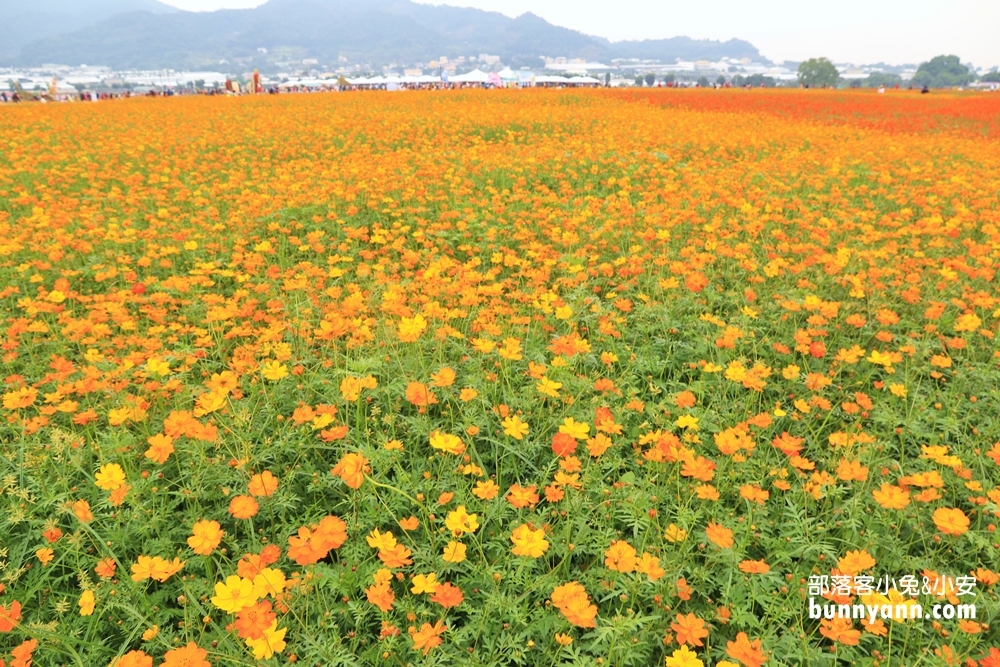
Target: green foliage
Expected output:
[754,80]
[942,72]
[801,261]
[876,79]
[818,73]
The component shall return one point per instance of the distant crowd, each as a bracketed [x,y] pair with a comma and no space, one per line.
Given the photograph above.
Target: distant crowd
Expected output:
[230,90]
[87,96]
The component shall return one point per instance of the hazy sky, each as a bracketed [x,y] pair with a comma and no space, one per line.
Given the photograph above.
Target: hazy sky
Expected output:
[860,31]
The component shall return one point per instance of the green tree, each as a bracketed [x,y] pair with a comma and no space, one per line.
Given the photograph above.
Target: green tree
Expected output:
[876,79]
[703,81]
[650,79]
[758,80]
[991,77]
[638,80]
[670,77]
[942,72]
[818,73]
[721,79]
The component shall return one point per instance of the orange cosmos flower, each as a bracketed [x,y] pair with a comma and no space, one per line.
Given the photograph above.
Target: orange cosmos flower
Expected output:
[443,378]
[851,470]
[521,497]
[133,659]
[187,656]
[253,620]
[447,595]
[427,637]
[754,567]
[263,484]
[105,568]
[81,509]
[20,398]
[117,497]
[351,468]
[649,565]
[620,556]
[563,444]
[685,399]
[313,543]
[689,630]
[205,537]
[160,448]
[163,569]
[855,562]
[10,617]
[418,394]
[396,556]
[891,497]
[22,653]
[381,595]
[719,535]
[951,521]
[754,493]
[748,653]
[243,507]
[572,600]
[486,490]
[840,630]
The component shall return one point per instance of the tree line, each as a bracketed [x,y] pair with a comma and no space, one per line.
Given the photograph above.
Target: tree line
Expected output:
[938,72]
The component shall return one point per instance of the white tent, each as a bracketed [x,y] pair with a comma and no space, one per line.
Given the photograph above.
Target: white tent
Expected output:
[507,74]
[583,81]
[475,76]
[308,83]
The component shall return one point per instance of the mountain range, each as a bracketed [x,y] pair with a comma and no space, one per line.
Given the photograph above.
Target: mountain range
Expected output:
[146,34]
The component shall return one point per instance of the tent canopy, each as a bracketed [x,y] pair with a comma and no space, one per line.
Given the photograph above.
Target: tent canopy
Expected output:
[475,76]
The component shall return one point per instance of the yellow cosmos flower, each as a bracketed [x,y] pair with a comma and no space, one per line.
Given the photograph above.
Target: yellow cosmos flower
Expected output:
[109,477]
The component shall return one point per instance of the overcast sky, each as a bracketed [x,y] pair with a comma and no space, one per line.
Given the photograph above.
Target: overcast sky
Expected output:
[859,31]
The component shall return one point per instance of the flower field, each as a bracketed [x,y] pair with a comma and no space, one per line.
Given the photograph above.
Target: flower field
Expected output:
[499,378]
